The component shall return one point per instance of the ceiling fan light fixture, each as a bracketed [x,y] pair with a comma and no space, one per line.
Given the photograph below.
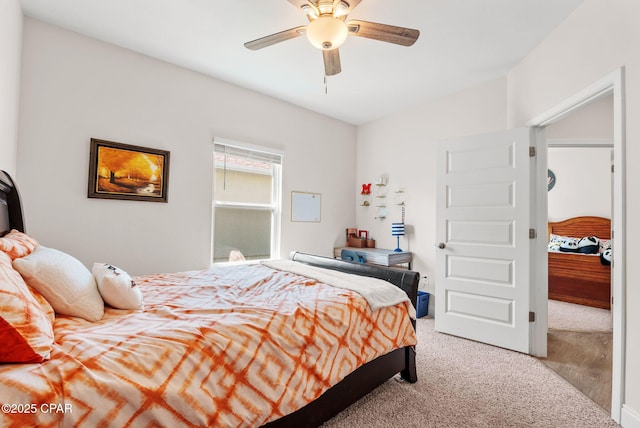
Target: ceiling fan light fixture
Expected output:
[341,9]
[325,7]
[310,11]
[327,32]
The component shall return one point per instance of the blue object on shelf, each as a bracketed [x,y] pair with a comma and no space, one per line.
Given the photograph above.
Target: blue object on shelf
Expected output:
[422,308]
[352,256]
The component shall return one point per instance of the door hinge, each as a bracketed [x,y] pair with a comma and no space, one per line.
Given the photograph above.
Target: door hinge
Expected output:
[532,317]
[532,234]
[532,151]
[612,168]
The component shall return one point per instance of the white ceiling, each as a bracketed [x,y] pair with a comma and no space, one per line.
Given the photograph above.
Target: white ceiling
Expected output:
[462,43]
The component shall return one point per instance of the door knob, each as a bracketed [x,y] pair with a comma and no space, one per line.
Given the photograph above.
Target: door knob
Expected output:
[441,245]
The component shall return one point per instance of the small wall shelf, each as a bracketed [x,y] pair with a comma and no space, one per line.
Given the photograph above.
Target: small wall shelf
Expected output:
[399,197]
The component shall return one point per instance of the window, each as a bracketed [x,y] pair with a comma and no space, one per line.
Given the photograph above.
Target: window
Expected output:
[246,203]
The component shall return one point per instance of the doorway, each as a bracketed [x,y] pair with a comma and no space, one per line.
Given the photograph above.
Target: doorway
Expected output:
[579,340]
[611,85]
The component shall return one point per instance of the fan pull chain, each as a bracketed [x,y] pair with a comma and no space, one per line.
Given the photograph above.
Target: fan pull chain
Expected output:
[325,84]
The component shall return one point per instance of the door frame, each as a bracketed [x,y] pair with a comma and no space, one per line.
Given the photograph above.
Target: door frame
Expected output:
[612,84]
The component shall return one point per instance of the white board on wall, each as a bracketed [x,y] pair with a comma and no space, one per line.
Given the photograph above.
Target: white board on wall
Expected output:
[305,206]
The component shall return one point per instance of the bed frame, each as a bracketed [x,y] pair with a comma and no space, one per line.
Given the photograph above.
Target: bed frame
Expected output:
[576,278]
[353,387]
[10,206]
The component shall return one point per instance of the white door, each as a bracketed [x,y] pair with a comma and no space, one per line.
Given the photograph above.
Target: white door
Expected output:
[484,249]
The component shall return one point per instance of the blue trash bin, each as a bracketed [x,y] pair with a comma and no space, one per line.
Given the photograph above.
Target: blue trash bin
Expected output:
[422,308]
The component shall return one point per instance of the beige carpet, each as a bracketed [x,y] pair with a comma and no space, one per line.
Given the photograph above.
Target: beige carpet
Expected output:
[572,317]
[580,348]
[462,383]
[584,360]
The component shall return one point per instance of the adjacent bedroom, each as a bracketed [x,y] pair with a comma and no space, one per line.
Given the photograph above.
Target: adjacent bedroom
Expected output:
[580,183]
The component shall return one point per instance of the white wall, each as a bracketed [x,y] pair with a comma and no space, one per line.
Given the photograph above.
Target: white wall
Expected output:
[583,182]
[10,45]
[75,88]
[595,40]
[591,123]
[581,166]
[403,147]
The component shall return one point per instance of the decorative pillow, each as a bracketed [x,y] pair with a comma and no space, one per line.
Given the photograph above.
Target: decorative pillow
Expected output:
[26,332]
[17,244]
[64,281]
[554,242]
[589,245]
[116,286]
[569,244]
[606,255]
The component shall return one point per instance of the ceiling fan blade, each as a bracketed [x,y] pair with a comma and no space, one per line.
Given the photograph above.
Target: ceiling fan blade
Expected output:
[383,32]
[272,39]
[331,62]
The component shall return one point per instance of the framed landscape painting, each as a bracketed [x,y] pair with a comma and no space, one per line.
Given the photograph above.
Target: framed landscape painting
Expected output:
[123,171]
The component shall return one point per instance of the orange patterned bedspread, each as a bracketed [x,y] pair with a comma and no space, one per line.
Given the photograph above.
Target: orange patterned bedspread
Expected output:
[237,346]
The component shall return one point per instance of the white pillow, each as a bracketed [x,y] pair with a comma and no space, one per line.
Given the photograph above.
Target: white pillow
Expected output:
[64,281]
[117,287]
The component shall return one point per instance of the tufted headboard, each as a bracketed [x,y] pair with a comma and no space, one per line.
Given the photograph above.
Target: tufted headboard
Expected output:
[10,206]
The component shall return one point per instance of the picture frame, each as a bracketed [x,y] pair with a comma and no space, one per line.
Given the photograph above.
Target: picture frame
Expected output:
[352,231]
[363,234]
[127,172]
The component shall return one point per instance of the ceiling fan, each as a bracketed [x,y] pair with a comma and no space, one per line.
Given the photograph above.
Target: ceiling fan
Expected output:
[328,29]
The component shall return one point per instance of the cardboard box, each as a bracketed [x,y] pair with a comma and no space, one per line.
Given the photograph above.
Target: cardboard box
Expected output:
[357,242]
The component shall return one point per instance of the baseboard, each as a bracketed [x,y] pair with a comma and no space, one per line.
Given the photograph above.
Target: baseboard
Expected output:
[630,418]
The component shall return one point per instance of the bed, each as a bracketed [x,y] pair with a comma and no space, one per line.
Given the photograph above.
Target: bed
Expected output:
[584,279]
[203,348]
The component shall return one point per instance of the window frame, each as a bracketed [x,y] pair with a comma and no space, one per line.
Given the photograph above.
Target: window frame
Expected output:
[275,207]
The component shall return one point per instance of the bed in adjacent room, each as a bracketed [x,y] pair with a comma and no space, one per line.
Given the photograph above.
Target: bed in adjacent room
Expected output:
[281,343]
[580,261]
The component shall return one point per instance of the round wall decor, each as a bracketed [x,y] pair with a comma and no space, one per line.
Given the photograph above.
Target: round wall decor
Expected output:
[551,179]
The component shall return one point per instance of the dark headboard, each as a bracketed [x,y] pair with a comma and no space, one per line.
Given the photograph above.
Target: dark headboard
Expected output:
[10,206]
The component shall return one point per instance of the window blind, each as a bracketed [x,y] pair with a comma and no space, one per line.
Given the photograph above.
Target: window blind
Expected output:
[252,154]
